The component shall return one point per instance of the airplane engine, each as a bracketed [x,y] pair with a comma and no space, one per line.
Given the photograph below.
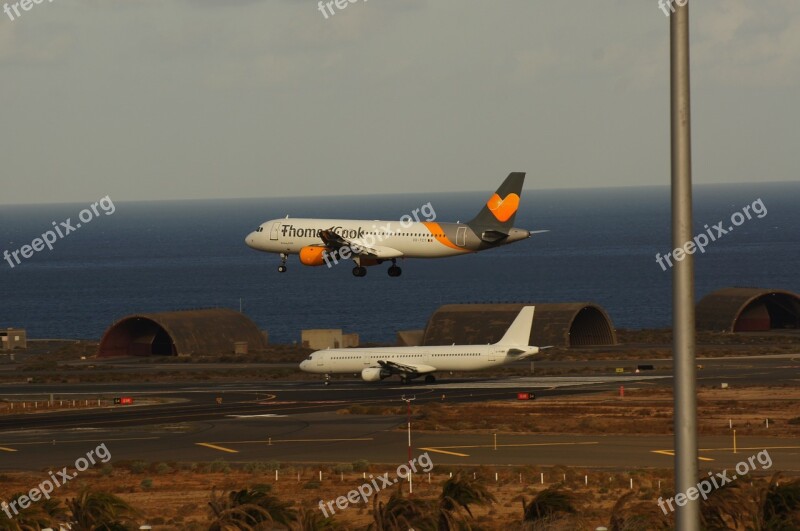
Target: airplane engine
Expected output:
[312,256]
[374,374]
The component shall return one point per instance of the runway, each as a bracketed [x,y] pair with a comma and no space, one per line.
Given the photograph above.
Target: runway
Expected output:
[330,438]
[297,422]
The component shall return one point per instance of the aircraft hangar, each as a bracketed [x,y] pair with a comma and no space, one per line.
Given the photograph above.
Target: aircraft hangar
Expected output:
[748,310]
[571,324]
[182,333]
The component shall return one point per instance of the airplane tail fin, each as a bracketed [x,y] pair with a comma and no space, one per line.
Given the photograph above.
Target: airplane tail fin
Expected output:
[519,333]
[497,215]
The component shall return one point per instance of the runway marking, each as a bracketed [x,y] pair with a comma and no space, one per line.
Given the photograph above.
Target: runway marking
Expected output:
[750,448]
[671,453]
[444,452]
[4,449]
[439,449]
[220,448]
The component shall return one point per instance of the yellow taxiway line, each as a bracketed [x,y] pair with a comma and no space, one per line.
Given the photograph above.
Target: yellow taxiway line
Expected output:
[4,449]
[441,449]
[671,453]
[218,445]
[435,450]
[220,448]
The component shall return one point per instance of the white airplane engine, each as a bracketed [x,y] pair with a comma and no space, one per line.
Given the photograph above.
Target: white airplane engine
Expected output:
[374,374]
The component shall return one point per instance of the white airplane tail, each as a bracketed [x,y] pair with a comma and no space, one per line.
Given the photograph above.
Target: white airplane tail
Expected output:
[519,333]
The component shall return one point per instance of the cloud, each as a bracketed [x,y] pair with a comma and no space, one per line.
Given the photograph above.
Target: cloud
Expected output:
[747,44]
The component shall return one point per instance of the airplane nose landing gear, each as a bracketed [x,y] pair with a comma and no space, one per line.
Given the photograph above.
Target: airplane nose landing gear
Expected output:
[394,270]
[282,267]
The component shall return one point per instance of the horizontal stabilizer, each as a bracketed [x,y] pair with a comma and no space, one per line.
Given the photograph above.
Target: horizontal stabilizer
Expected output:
[493,236]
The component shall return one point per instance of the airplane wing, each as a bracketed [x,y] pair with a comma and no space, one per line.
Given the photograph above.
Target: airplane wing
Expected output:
[335,242]
[405,368]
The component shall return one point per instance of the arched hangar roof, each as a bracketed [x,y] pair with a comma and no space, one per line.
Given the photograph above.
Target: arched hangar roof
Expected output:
[748,310]
[181,333]
[559,324]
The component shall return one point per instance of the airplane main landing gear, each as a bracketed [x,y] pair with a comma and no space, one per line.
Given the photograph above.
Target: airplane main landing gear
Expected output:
[359,271]
[327,379]
[429,378]
[282,267]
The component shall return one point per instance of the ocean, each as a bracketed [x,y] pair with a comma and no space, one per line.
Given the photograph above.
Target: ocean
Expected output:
[173,255]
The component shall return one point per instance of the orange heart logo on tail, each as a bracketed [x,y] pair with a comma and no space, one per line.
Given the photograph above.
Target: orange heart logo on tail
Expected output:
[503,209]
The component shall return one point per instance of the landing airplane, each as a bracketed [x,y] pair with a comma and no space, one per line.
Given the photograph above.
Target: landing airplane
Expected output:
[367,243]
[375,364]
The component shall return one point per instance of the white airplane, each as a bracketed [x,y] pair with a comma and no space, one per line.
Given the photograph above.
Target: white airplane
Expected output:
[367,243]
[378,363]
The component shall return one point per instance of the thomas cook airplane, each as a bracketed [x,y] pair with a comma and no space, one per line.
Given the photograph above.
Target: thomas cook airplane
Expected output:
[378,363]
[326,241]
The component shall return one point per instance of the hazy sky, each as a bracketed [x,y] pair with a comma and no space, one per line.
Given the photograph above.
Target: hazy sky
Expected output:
[145,99]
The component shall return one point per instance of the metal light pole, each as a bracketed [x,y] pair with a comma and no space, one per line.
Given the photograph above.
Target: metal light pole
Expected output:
[408,409]
[687,518]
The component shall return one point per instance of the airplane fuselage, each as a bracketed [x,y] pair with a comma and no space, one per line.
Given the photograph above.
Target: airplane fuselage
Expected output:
[434,358]
[425,239]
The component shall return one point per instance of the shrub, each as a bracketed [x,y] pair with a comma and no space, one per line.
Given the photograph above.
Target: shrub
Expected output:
[139,467]
[256,467]
[362,465]
[218,466]
[343,468]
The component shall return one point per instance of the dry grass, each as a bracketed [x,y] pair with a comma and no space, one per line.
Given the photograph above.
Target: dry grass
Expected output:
[179,499]
[640,411]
